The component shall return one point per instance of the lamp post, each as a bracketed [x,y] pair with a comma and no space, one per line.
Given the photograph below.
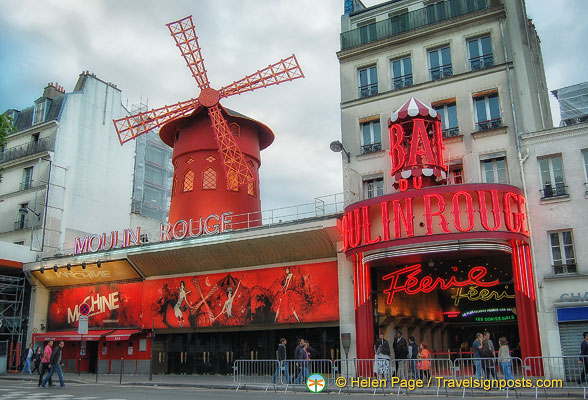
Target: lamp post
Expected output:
[337,147]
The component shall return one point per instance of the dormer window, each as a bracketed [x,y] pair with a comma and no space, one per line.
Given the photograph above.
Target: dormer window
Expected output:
[40,111]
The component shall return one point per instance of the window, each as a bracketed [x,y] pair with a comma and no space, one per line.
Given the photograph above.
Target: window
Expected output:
[232,180]
[367,32]
[401,73]
[585,157]
[494,170]
[21,242]
[562,252]
[21,219]
[552,178]
[209,179]
[188,181]
[373,188]
[455,176]
[27,178]
[480,53]
[39,113]
[235,129]
[368,81]
[440,63]
[487,112]
[251,182]
[371,137]
[448,114]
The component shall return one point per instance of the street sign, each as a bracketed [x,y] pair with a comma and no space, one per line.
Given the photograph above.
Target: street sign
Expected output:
[84,309]
[83,325]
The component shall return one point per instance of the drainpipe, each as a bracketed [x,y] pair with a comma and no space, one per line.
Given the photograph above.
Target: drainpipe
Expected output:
[522,160]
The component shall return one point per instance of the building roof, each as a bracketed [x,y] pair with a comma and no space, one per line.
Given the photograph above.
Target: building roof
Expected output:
[24,118]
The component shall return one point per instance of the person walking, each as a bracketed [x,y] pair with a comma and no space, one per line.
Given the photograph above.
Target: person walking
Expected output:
[424,363]
[382,360]
[283,364]
[476,346]
[504,359]
[413,351]
[55,366]
[37,360]
[27,359]
[487,358]
[492,364]
[302,361]
[401,354]
[584,358]
[45,362]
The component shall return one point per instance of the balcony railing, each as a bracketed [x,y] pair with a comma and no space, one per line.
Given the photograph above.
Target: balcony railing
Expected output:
[13,153]
[368,90]
[371,148]
[26,224]
[450,132]
[481,62]
[398,24]
[441,72]
[490,124]
[26,185]
[562,269]
[549,191]
[401,82]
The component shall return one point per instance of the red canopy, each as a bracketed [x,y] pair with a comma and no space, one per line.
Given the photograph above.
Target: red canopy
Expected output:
[121,334]
[72,336]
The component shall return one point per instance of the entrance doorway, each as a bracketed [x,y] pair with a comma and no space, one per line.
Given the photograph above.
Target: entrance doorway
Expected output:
[92,351]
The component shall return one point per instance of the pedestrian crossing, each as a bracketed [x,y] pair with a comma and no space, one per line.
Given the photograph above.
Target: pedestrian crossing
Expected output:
[30,391]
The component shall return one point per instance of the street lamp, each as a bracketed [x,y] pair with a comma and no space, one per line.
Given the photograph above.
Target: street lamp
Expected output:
[337,147]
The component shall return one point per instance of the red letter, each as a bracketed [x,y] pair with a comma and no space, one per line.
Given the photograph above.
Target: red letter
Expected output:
[438,135]
[429,215]
[484,210]
[367,236]
[397,153]
[400,218]
[457,212]
[345,233]
[355,231]
[511,219]
[385,221]
[419,136]
[523,215]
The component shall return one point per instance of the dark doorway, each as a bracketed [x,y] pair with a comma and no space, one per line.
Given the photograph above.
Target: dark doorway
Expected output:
[92,351]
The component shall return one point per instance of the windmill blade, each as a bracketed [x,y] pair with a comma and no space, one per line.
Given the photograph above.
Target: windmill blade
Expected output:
[236,168]
[185,36]
[129,128]
[282,71]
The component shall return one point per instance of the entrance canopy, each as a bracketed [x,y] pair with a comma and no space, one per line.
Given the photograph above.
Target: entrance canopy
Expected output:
[121,334]
[72,336]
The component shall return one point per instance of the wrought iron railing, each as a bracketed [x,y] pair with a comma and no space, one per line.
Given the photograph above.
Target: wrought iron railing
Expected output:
[368,90]
[13,153]
[371,148]
[490,124]
[549,190]
[402,82]
[26,224]
[481,62]
[26,185]
[398,24]
[562,269]
[441,72]
[450,132]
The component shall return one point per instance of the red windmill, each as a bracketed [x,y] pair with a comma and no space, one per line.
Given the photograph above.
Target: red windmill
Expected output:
[204,142]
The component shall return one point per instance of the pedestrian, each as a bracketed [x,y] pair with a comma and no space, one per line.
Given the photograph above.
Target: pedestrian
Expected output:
[382,357]
[424,362]
[493,350]
[504,359]
[487,358]
[476,346]
[55,366]
[401,354]
[282,363]
[584,358]
[37,360]
[302,362]
[413,351]
[27,359]
[45,362]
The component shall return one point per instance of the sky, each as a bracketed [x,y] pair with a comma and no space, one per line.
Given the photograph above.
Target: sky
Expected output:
[127,43]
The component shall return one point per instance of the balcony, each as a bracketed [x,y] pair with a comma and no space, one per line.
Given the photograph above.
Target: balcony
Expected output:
[490,124]
[20,224]
[441,72]
[398,24]
[549,191]
[26,185]
[481,62]
[371,148]
[402,82]
[13,153]
[368,90]
[564,269]
[450,132]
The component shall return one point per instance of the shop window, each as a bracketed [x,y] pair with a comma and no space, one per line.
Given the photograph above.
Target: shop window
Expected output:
[552,177]
[371,137]
[401,70]
[209,179]
[487,112]
[480,51]
[494,170]
[440,63]
[562,252]
[373,188]
[368,81]
[448,113]
[188,181]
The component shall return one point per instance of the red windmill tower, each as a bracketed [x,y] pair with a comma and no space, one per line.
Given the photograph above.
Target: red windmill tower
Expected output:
[208,138]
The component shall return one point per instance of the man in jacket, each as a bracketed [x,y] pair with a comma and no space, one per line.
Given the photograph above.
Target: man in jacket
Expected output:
[584,358]
[45,365]
[413,351]
[55,366]
[401,354]
[27,361]
[283,365]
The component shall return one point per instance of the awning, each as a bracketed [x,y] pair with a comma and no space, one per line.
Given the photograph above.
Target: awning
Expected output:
[72,336]
[121,334]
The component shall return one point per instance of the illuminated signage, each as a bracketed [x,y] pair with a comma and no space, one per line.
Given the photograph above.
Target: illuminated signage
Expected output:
[98,304]
[104,242]
[475,294]
[409,281]
[433,211]
[451,314]
[486,311]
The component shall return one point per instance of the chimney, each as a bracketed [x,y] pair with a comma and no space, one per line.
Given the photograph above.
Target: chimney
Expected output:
[53,90]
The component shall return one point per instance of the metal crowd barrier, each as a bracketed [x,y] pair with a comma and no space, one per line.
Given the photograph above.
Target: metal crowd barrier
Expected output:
[566,368]
[255,373]
[296,372]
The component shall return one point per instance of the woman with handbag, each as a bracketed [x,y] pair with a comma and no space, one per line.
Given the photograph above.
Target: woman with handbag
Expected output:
[382,357]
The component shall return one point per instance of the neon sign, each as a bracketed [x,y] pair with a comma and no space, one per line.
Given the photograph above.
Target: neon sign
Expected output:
[413,283]
[474,294]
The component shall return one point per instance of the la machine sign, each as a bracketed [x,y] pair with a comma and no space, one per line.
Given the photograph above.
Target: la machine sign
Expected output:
[210,225]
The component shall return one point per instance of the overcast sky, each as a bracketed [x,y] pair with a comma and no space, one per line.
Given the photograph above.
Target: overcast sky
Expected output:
[127,43]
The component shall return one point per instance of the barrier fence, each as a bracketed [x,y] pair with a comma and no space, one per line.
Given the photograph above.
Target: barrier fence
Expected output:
[539,374]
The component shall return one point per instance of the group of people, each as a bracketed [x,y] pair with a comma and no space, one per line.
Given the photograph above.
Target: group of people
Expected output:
[301,360]
[417,357]
[49,360]
[484,356]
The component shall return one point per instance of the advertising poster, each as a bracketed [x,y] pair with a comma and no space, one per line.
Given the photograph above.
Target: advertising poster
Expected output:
[281,295]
